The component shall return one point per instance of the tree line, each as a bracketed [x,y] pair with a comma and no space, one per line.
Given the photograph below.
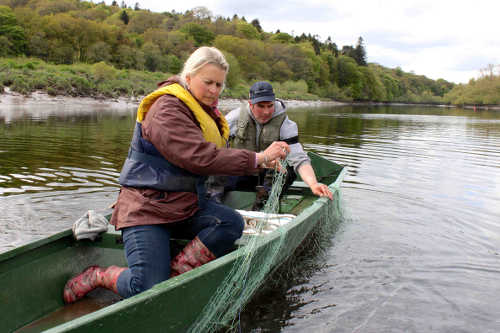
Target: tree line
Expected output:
[485,90]
[69,32]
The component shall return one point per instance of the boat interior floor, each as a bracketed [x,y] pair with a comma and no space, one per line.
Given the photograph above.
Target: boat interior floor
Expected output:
[93,301]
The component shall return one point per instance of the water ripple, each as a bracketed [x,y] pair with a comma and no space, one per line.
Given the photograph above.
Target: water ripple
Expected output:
[417,251]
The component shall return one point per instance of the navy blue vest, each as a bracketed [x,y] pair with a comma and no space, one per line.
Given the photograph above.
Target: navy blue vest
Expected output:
[145,167]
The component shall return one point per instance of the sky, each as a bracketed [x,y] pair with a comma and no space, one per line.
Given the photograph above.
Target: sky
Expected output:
[448,39]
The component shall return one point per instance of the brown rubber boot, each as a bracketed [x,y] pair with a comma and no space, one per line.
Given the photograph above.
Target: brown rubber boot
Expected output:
[193,255]
[91,278]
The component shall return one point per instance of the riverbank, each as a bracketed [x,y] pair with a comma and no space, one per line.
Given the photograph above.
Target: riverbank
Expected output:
[11,98]
[471,107]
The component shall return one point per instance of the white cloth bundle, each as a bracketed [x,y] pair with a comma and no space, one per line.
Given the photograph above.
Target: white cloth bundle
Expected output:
[90,225]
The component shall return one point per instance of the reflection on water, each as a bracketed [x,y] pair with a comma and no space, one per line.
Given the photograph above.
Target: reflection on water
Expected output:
[56,163]
[418,250]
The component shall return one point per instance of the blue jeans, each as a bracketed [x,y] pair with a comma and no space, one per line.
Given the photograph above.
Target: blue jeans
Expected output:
[147,247]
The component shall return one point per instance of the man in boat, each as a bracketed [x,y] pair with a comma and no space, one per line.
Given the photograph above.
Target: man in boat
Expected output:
[254,126]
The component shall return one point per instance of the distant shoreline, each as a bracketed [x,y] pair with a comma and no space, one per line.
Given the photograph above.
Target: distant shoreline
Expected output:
[10,98]
[449,106]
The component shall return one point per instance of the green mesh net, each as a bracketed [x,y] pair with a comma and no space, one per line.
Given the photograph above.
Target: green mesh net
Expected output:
[260,256]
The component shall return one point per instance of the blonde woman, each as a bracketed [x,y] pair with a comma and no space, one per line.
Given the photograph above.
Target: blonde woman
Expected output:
[180,138]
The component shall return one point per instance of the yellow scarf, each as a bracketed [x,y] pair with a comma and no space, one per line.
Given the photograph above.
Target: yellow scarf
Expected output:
[208,125]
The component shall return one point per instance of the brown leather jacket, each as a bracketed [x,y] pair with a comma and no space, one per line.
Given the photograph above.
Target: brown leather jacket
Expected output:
[176,134]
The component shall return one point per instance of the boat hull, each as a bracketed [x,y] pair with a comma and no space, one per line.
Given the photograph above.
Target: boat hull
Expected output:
[36,273]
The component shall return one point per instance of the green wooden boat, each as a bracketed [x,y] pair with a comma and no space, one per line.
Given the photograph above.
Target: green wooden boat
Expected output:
[32,276]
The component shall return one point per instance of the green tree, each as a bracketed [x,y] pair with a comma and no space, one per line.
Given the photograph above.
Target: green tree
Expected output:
[174,65]
[202,13]
[5,46]
[12,33]
[282,37]
[179,43]
[372,87]
[250,55]
[141,21]
[48,7]
[246,30]
[124,17]
[38,46]
[76,33]
[359,53]
[200,34]
[221,26]
[280,72]
[331,46]
[93,14]
[234,74]
[158,37]
[60,53]
[348,50]
[347,70]
[153,58]
[128,57]
[256,24]
[99,52]
[316,45]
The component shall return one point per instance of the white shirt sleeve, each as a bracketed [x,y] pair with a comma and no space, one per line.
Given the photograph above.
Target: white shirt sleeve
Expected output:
[297,154]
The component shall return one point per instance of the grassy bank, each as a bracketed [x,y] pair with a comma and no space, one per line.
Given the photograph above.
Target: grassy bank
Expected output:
[101,80]
[25,75]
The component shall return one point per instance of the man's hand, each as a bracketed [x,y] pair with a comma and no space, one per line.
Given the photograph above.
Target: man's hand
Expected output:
[321,190]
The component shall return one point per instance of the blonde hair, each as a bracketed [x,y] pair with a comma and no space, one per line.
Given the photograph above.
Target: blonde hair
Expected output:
[201,57]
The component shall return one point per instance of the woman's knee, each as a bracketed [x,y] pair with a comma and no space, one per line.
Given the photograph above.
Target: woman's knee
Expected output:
[147,249]
[238,226]
[233,223]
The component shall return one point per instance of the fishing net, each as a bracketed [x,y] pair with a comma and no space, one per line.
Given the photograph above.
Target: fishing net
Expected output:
[254,265]
[281,294]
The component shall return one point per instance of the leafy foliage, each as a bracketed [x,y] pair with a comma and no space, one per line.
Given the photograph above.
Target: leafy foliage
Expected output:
[79,32]
[12,37]
[99,80]
[124,17]
[483,91]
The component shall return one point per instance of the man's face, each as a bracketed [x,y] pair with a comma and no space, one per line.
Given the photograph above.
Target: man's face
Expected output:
[262,111]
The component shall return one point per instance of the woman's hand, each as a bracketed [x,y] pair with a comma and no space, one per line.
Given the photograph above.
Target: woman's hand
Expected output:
[275,165]
[321,190]
[276,151]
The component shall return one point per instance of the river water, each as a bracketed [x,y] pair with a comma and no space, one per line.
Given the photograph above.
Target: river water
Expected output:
[418,248]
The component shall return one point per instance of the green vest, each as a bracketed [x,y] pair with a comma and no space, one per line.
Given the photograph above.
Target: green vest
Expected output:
[246,133]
